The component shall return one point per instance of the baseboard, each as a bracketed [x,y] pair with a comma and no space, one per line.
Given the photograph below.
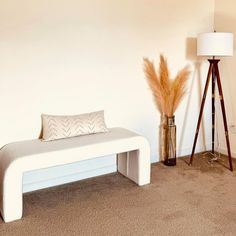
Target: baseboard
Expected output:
[183,152]
[57,175]
[187,151]
[68,178]
[224,151]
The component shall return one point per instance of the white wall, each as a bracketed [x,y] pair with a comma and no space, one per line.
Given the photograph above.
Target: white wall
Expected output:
[225,20]
[70,57]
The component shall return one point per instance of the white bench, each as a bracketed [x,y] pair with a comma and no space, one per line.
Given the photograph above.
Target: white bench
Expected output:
[133,161]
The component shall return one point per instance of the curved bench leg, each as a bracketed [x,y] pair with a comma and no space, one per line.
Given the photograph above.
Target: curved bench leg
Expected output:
[12,202]
[135,165]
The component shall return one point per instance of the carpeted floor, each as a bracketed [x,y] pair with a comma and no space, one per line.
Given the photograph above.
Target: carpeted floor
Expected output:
[181,200]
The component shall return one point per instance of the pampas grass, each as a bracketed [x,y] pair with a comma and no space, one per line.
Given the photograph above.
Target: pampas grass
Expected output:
[167,93]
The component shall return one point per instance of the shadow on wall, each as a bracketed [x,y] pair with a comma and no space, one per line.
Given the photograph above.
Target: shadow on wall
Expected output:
[191,55]
[225,23]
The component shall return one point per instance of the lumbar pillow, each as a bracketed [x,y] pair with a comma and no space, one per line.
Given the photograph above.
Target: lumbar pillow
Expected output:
[58,127]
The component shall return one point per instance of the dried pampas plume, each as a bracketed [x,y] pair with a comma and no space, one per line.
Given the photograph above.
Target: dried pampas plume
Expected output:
[167,93]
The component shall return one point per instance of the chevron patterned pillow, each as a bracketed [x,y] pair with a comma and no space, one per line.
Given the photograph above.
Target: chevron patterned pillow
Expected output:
[58,127]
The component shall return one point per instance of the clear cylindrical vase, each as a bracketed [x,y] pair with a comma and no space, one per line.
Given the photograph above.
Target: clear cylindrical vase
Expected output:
[163,138]
[171,142]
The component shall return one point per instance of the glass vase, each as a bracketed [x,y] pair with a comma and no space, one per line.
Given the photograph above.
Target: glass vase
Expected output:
[171,142]
[163,138]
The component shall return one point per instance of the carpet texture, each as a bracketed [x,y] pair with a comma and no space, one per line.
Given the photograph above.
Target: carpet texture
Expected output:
[181,200]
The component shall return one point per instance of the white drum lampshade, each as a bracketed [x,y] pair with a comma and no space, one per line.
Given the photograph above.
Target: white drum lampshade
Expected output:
[215,44]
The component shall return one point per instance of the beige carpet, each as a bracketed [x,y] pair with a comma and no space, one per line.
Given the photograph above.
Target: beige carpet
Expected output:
[181,200]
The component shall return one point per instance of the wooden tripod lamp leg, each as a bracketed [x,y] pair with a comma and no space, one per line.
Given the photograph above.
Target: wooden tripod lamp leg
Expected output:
[201,109]
[224,115]
[213,111]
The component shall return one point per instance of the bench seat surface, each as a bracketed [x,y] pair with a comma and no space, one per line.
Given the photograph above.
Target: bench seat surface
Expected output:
[37,146]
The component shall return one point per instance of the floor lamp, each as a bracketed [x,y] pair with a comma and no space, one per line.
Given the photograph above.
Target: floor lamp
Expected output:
[214,44]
